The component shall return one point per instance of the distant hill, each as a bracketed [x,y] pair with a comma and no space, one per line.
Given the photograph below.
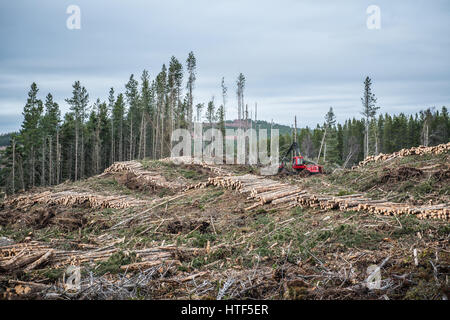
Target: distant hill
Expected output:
[260,124]
[5,139]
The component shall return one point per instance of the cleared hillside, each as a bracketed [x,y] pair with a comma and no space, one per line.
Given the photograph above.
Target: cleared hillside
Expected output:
[159,230]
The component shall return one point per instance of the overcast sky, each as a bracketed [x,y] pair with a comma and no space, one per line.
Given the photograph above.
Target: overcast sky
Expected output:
[299,57]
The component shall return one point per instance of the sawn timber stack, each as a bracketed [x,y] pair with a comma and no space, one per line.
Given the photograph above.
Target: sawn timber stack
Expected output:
[421,150]
[71,199]
[264,191]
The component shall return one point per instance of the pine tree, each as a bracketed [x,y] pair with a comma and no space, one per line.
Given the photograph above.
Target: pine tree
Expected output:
[162,111]
[133,117]
[78,105]
[30,131]
[224,97]
[146,102]
[103,138]
[67,147]
[13,178]
[240,95]
[211,112]
[191,64]
[220,116]
[51,122]
[92,141]
[369,110]
[175,78]
[388,146]
[111,102]
[331,152]
[118,121]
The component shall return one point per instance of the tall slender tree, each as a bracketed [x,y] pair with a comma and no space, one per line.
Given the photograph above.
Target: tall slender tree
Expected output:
[369,111]
[146,110]
[118,120]
[30,131]
[78,105]
[133,118]
[175,79]
[191,65]
[162,110]
[240,95]
[331,152]
[224,97]
[51,123]
[111,102]
[211,112]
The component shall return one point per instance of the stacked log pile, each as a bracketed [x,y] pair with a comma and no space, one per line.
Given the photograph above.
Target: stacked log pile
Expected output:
[70,199]
[260,189]
[150,178]
[383,207]
[421,150]
[205,163]
[264,191]
[32,255]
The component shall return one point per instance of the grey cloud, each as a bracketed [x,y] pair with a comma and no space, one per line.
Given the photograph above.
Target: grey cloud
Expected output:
[298,56]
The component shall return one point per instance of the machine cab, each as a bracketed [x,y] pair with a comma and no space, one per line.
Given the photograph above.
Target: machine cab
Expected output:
[297,162]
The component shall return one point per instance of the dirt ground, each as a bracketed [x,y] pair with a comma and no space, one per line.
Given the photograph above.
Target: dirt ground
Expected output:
[203,244]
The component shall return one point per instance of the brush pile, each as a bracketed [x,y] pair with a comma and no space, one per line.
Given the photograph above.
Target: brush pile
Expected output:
[401,174]
[421,150]
[33,255]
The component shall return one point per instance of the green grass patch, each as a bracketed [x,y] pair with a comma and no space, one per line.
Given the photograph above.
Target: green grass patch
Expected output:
[115,261]
[410,225]
[200,240]
[344,193]
[350,236]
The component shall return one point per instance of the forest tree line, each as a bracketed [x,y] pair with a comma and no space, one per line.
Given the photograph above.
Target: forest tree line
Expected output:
[137,123]
[133,124]
[345,144]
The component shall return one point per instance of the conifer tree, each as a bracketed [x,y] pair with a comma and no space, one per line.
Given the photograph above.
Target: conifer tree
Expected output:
[30,131]
[118,120]
[369,110]
[111,103]
[224,97]
[220,116]
[51,122]
[133,116]
[331,152]
[191,65]
[162,111]
[240,95]
[211,112]
[78,105]
[146,102]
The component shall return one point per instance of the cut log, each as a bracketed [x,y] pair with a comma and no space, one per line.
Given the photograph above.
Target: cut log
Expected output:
[39,261]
